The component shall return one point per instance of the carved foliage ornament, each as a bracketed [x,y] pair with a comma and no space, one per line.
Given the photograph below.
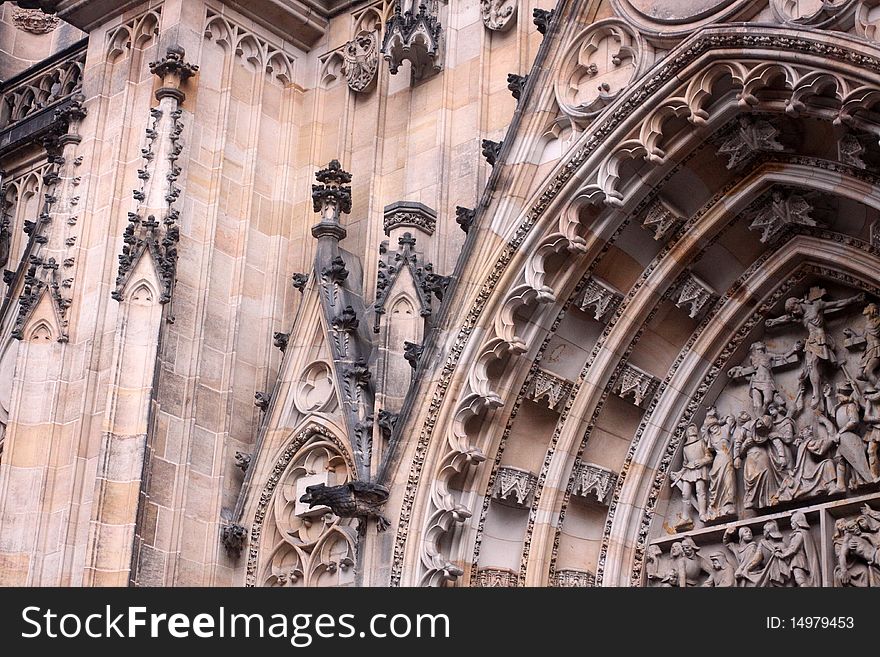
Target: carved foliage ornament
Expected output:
[361,56]
[498,14]
[604,59]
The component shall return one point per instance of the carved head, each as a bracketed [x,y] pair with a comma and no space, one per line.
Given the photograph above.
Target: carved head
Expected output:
[692,431]
[871,310]
[743,417]
[758,346]
[793,306]
[675,550]
[799,521]
[689,548]
[315,494]
[771,530]
[745,535]
[718,560]
[844,391]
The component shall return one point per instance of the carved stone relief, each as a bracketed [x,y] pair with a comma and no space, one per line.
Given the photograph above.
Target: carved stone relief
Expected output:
[361,56]
[498,14]
[514,486]
[797,422]
[604,59]
[315,391]
[33,20]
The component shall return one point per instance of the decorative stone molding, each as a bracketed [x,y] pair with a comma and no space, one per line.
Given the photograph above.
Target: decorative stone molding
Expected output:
[692,292]
[413,34]
[33,20]
[826,14]
[48,85]
[491,150]
[593,480]
[233,538]
[779,211]
[252,48]
[495,578]
[599,297]
[549,388]
[636,383]
[516,84]
[749,136]
[409,214]
[139,32]
[498,15]
[570,579]
[361,56]
[602,62]
[661,220]
[514,486]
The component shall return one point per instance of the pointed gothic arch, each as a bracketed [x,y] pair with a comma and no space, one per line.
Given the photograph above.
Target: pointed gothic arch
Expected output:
[731,141]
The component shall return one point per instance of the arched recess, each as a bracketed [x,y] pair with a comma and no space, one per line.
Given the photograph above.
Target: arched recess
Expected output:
[690,168]
[290,544]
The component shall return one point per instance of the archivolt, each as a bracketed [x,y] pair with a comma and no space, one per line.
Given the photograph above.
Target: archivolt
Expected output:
[594,171]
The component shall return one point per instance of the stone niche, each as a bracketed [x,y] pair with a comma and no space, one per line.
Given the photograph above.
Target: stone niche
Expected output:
[788,434]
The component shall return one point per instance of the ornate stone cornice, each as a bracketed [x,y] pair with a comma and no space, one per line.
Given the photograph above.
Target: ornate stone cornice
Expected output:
[635,383]
[599,298]
[593,480]
[549,389]
[494,578]
[514,486]
[573,579]
[409,214]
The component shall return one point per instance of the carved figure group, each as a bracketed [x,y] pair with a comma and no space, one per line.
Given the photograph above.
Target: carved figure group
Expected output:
[857,549]
[772,561]
[769,452]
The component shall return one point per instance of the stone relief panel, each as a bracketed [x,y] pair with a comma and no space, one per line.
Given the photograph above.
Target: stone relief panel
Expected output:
[498,14]
[303,546]
[315,392]
[603,60]
[361,56]
[796,422]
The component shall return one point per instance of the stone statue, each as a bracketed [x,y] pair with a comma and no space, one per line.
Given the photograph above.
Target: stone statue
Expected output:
[774,570]
[869,363]
[857,549]
[751,448]
[782,435]
[743,554]
[815,469]
[871,418]
[721,571]
[851,447]
[801,553]
[652,565]
[762,385]
[819,350]
[690,566]
[722,475]
[693,477]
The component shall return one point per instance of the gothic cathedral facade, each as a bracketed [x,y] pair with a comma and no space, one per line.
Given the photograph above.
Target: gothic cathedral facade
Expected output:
[440,293]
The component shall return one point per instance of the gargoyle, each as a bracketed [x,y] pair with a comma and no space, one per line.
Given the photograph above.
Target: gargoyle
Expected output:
[355,499]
